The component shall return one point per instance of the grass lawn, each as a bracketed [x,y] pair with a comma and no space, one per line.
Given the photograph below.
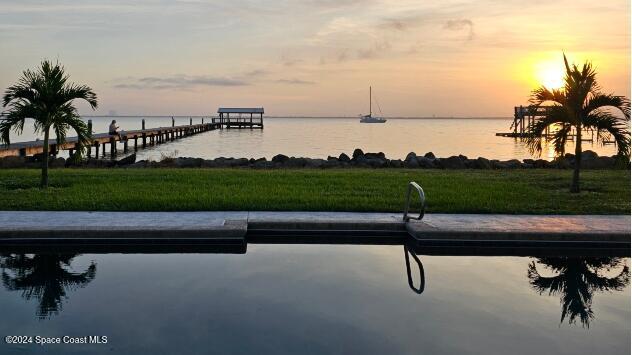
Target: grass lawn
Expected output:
[456,191]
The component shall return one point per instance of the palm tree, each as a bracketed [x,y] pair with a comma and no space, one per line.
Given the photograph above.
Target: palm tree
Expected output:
[45,277]
[579,105]
[46,96]
[576,280]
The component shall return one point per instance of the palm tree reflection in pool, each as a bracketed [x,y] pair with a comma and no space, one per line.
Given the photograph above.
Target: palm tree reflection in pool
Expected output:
[576,280]
[46,277]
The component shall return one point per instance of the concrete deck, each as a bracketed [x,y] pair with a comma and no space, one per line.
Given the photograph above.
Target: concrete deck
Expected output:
[233,227]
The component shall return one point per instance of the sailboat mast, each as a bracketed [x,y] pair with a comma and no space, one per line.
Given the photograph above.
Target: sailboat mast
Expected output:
[370,102]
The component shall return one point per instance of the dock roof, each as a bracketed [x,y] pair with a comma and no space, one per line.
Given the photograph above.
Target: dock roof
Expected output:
[240,110]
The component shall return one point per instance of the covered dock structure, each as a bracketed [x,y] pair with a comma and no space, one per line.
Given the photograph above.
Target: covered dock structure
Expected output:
[241,117]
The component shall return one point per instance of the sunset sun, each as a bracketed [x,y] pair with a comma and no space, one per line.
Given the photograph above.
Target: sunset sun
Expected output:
[550,74]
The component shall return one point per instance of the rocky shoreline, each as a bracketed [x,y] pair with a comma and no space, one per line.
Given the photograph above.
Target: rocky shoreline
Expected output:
[359,159]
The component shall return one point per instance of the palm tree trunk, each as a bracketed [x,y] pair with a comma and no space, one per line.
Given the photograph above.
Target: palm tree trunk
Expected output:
[578,159]
[44,183]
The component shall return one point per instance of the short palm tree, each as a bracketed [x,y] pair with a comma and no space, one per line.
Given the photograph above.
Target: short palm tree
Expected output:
[45,277]
[576,280]
[580,105]
[46,96]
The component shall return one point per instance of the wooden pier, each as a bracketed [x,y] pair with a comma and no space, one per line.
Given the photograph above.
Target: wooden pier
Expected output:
[133,139]
[242,117]
[524,116]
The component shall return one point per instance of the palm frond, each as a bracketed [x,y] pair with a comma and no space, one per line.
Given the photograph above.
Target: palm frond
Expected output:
[536,130]
[14,121]
[543,94]
[84,92]
[599,101]
[616,126]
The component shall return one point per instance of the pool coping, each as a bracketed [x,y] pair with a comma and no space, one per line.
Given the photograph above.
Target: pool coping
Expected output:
[227,227]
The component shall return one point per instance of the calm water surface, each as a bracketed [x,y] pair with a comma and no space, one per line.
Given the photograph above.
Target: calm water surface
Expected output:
[320,137]
[317,299]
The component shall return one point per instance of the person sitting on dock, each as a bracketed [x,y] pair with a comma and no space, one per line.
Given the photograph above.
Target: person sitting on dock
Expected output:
[113,131]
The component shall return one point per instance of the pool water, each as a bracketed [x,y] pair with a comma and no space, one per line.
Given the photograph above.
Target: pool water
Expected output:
[317,299]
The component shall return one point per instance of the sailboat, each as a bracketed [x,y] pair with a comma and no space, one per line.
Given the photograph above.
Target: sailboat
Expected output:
[369,118]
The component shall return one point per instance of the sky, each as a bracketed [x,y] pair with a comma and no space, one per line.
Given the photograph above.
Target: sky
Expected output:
[464,58]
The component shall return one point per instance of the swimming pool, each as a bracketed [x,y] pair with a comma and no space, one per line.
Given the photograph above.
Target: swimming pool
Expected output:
[318,299]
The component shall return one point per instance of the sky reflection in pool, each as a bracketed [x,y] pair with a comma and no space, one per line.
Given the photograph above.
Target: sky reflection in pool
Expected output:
[318,299]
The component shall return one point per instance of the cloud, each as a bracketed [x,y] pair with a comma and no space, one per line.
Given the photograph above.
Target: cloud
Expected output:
[256,72]
[177,82]
[461,24]
[402,23]
[295,82]
[376,50]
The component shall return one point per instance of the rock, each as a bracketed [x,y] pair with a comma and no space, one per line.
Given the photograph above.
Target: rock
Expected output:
[513,164]
[589,155]
[426,163]
[377,162]
[564,162]
[230,162]
[497,164]
[208,163]
[453,162]
[331,164]
[12,162]
[280,158]
[598,163]
[57,162]
[344,158]
[379,155]
[139,164]
[361,161]
[430,155]
[295,162]
[482,163]
[240,162]
[411,161]
[357,153]
[263,164]
[130,159]
[541,163]
[314,163]
[188,162]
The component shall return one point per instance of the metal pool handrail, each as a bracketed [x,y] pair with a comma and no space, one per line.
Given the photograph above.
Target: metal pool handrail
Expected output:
[409,274]
[422,198]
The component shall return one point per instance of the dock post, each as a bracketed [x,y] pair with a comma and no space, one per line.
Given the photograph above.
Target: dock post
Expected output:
[143,124]
[135,143]
[144,140]
[103,153]
[173,122]
[112,147]
[96,153]
[125,145]
[190,121]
